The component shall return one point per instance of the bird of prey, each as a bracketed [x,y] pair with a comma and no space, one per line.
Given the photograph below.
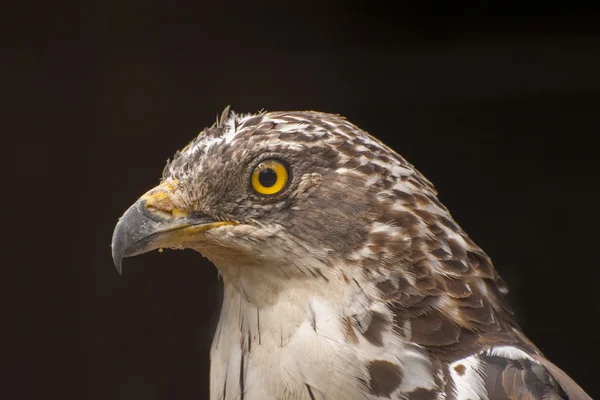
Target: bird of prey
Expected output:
[344,276]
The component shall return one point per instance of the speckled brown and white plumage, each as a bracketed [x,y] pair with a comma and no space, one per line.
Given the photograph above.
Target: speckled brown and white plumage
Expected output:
[355,282]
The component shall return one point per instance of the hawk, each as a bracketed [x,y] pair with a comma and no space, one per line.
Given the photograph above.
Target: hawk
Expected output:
[344,276]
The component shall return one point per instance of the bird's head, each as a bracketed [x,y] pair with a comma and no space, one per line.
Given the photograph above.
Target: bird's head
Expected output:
[293,192]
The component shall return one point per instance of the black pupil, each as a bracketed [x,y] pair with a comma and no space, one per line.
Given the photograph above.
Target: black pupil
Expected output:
[267,177]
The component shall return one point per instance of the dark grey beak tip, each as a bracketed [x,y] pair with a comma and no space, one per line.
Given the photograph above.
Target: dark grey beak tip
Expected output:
[117,248]
[118,260]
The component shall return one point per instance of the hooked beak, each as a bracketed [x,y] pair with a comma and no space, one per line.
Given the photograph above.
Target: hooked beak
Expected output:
[153,222]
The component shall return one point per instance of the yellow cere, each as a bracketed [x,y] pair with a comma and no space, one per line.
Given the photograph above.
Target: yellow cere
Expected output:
[154,197]
[281,177]
[179,213]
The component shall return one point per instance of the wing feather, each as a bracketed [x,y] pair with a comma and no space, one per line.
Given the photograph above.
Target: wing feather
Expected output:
[526,378]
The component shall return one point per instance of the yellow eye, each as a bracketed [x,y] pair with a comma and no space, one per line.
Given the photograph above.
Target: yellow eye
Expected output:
[269,177]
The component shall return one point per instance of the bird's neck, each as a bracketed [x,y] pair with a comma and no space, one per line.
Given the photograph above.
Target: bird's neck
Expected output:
[276,332]
[273,288]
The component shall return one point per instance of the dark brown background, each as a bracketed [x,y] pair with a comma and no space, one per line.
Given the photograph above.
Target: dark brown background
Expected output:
[496,102]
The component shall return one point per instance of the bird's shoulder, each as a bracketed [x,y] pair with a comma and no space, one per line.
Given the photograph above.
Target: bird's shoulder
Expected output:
[508,372]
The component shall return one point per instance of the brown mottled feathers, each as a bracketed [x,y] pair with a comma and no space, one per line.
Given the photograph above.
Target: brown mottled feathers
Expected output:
[447,289]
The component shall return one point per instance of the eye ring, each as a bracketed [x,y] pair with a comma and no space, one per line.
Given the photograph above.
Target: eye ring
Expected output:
[270,177]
